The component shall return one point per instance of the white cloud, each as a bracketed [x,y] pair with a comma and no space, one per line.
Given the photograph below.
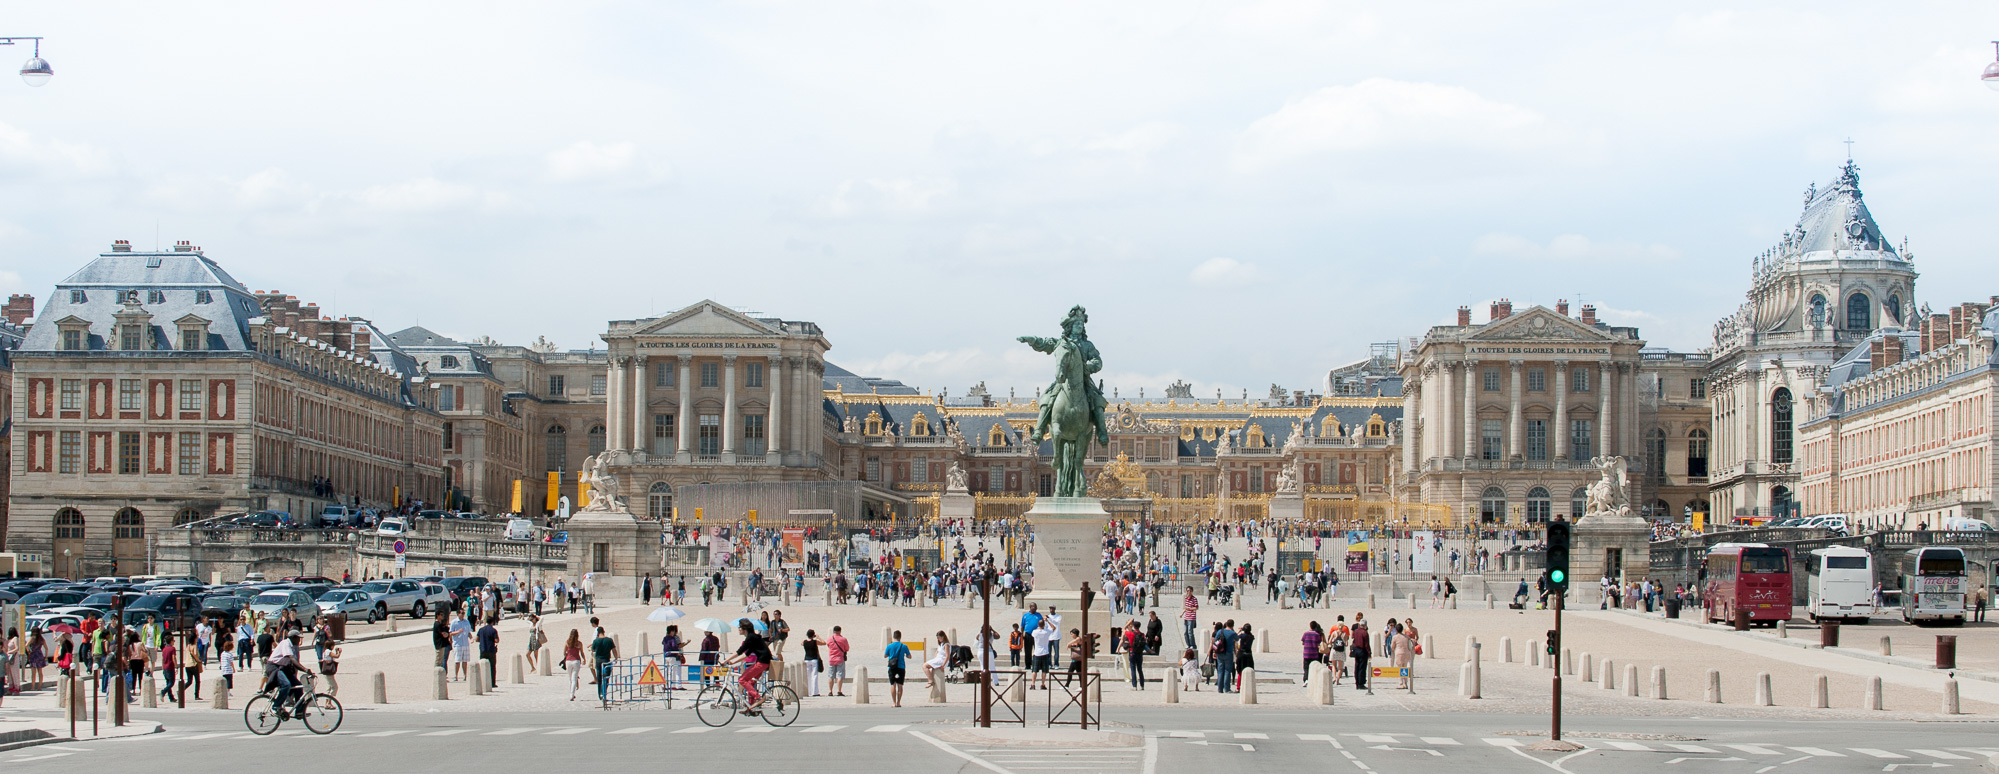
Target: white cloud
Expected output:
[1570,247]
[602,162]
[20,147]
[899,196]
[426,194]
[272,189]
[1380,113]
[1142,140]
[1224,271]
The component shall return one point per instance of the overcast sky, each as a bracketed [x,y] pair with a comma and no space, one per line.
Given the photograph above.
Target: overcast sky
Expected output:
[1242,193]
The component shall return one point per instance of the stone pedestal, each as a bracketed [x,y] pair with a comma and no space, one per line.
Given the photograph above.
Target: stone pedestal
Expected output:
[1287,505]
[615,547]
[956,504]
[1599,537]
[1068,555]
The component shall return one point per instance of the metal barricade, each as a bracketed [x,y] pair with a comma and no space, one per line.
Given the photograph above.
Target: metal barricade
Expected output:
[639,680]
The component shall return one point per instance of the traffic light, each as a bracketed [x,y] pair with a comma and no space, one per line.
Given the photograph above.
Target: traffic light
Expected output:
[1558,557]
[1096,641]
[1552,636]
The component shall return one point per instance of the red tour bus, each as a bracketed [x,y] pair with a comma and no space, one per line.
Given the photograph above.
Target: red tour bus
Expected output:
[1746,576]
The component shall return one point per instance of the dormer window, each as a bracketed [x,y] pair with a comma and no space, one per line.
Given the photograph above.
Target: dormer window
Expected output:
[447,361]
[131,337]
[72,339]
[920,425]
[128,296]
[77,297]
[193,333]
[203,297]
[155,297]
[873,425]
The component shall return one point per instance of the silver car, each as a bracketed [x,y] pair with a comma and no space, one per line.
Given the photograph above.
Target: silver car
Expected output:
[354,603]
[271,605]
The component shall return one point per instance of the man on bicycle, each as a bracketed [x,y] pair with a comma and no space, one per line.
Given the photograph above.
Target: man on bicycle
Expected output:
[754,654]
[282,669]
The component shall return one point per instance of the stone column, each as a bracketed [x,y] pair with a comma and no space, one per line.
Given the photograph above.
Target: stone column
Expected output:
[683,429]
[1561,423]
[1412,413]
[1471,378]
[1604,414]
[614,431]
[1515,418]
[1628,421]
[641,414]
[774,422]
[729,405]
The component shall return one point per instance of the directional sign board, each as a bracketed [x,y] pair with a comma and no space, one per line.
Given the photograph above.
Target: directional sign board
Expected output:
[1399,673]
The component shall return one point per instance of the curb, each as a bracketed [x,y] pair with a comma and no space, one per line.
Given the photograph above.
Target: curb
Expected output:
[1960,673]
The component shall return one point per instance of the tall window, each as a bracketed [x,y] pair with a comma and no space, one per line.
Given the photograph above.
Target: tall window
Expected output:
[203,297]
[1537,379]
[190,454]
[72,340]
[128,524]
[186,516]
[72,395]
[662,374]
[1859,313]
[69,524]
[753,374]
[659,501]
[1579,435]
[190,394]
[1492,380]
[1894,308]
[1537,439]
[598,382]
[191,339]
[753,434]
[597,439]
[70,456]
[1655,454]
[1492,505]
[131,395]
[711,374]
[1578,500]
[1697,388]
[919,470]
[1579,380]
[128,453]
[555,449]
[449,436]
[1539,506]
[710,437]
[555,384]
[1697,453]
[662,433]
[1491,439]
[1780,426]
[873,471]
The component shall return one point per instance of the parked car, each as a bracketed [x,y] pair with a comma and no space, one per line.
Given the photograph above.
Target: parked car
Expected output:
[337,516]
[46,599]
[407,595]
[267,519]
[353,603]
[181,609]
[225,606]
[433,514]
[462,586]
[272,604]
[106,600]
[392,526]
[520,529]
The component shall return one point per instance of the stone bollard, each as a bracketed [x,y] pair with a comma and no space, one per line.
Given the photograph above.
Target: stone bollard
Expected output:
[218,694]
[1470,642]
[1821,693]
[1263,643]
[520,674]
[392,624]
[1370,600]
[1568,662]
[151,692]
[1284,602]
[1764,696]
[937,692]
[1506,650]
[1237,599]
[1477,673]
[645,644]
[547,664]
[1872,700]
[1172,693]
[968,601]
[1631,680]
[1490,603]
[1589,671]
[1658,682]
[1783,630]
[1713,695]
[1249,686]
[1412,601]
[1609,681]
[1454,601]
[885,637]
[477,678]
[954,637]
[920,596]
[62,697]
[381,688]
[1464,679]
[861,685]
[1018,693]
[829,595]
[618,641]
[874,600]
[1887,646]
[1534,653]
[1950,704]
[1095,692]
[440,687]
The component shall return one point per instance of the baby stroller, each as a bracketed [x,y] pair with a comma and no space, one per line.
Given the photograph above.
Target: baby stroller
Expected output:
[959,661]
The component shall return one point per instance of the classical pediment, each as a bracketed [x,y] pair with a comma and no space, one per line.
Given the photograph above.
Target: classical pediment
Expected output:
[705,319]
[1539,324]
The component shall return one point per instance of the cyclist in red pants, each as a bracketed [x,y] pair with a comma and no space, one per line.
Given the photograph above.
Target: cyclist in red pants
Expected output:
[754,654]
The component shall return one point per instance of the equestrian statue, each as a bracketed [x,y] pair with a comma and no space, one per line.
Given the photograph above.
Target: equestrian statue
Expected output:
[1072,408]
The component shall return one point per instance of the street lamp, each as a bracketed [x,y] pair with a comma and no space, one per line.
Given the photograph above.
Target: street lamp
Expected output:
[1991,75]
[36,71]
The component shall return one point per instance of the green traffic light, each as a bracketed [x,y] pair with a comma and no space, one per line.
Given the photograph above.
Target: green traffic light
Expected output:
[1558,576]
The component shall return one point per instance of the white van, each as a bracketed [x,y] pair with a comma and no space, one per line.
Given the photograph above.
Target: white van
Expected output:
[520,529]
[392,526]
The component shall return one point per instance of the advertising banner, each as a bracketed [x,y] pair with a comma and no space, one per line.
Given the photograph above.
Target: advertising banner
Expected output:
[794,548]
[1425,555]
[721,545]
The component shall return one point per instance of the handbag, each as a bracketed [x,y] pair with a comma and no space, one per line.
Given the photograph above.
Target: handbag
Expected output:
[328,666]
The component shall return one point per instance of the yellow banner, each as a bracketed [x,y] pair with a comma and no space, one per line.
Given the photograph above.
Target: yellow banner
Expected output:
[517,497]
[582,492]
[397,496]
[1700,521]
[554,488]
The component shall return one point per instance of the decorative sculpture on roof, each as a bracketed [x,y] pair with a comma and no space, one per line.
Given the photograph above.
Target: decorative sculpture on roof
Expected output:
[1073,405]
[1179,389]
[1296,437]
[957,438]
[850,424]
[1222,443]
[603,485]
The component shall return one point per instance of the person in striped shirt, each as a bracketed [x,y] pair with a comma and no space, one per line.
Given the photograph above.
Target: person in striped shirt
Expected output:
[1190,607]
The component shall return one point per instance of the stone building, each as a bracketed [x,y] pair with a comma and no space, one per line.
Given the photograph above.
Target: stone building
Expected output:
[484,436]
[1901,434]
[155,390]
[1827,285]
[1503,417]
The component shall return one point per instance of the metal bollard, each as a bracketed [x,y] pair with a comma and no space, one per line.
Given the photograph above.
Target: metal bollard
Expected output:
[1713,695]
[1873,698]
[1249,686]
[1764,696]
[381,688]
[1658,682]
[1821,693]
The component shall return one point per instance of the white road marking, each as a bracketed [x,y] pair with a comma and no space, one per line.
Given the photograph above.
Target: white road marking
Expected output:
[1376,738]
[695,730]
[1633,746]
[755,730]
[821,729]
[1819,752]
[1874,752]
[198,737]
[1941,754]
[887,729]
[1439,740]
[448,732]
[511,731]
[1252,735]
[568,731]
[633,730]
[1692,748]
[1754,749]
[391,732]
[1315,737]
[1503,742]
[1186,735]
[40,757]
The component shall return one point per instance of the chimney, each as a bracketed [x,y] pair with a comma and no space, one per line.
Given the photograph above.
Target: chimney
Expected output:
[1505,308]
[1589,314]
[1877,355]
[1464,316]
[121,246]
[362,341]
[20,308]
[343,335]
[1891,349]
[1956,323]
[183,246]
[1492,312]
[1562,307]
[1938,330]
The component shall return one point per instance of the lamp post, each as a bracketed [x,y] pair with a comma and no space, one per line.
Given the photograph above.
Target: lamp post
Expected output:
[36,71]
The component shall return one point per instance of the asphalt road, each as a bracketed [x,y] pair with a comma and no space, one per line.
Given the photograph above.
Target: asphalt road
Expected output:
[1175,740]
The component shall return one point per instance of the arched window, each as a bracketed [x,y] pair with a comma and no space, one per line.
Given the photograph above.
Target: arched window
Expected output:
[66,551]
[1780,502]
[1660,510]
[1578,501]
[1697,453]
[186,516]
[129,524]
[1859,313]
[1376,428]
[997,436]
[920,425]
[1539,507]
[1780,426]
[69,524]
[1697,506]
[1329,428]
[873,425]
[659,501]
[1492,506]
[1816,317]
[1254,438]
[556,449]
[597,439]
[1894,307]
[1655,454]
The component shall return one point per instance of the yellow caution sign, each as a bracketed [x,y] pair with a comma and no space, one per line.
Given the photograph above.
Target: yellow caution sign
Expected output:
[652,675]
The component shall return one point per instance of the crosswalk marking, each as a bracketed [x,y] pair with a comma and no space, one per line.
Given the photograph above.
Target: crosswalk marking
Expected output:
[1874,752]
[391,732]
[822,729]
[1819,752]
[634,730]
[1186,735]
[449,732]
[1252,735]
[1941,754]
[1692,748]
[1376,738]
[1439,740]
[1315,737]
[197,737]
[567,731]
[887,729]
[1503,742]
[694,730]
[755,730]
[1633,746]
[510,731]
[1753,749]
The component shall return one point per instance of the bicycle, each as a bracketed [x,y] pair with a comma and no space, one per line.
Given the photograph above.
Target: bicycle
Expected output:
[719,701]
[263,714]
